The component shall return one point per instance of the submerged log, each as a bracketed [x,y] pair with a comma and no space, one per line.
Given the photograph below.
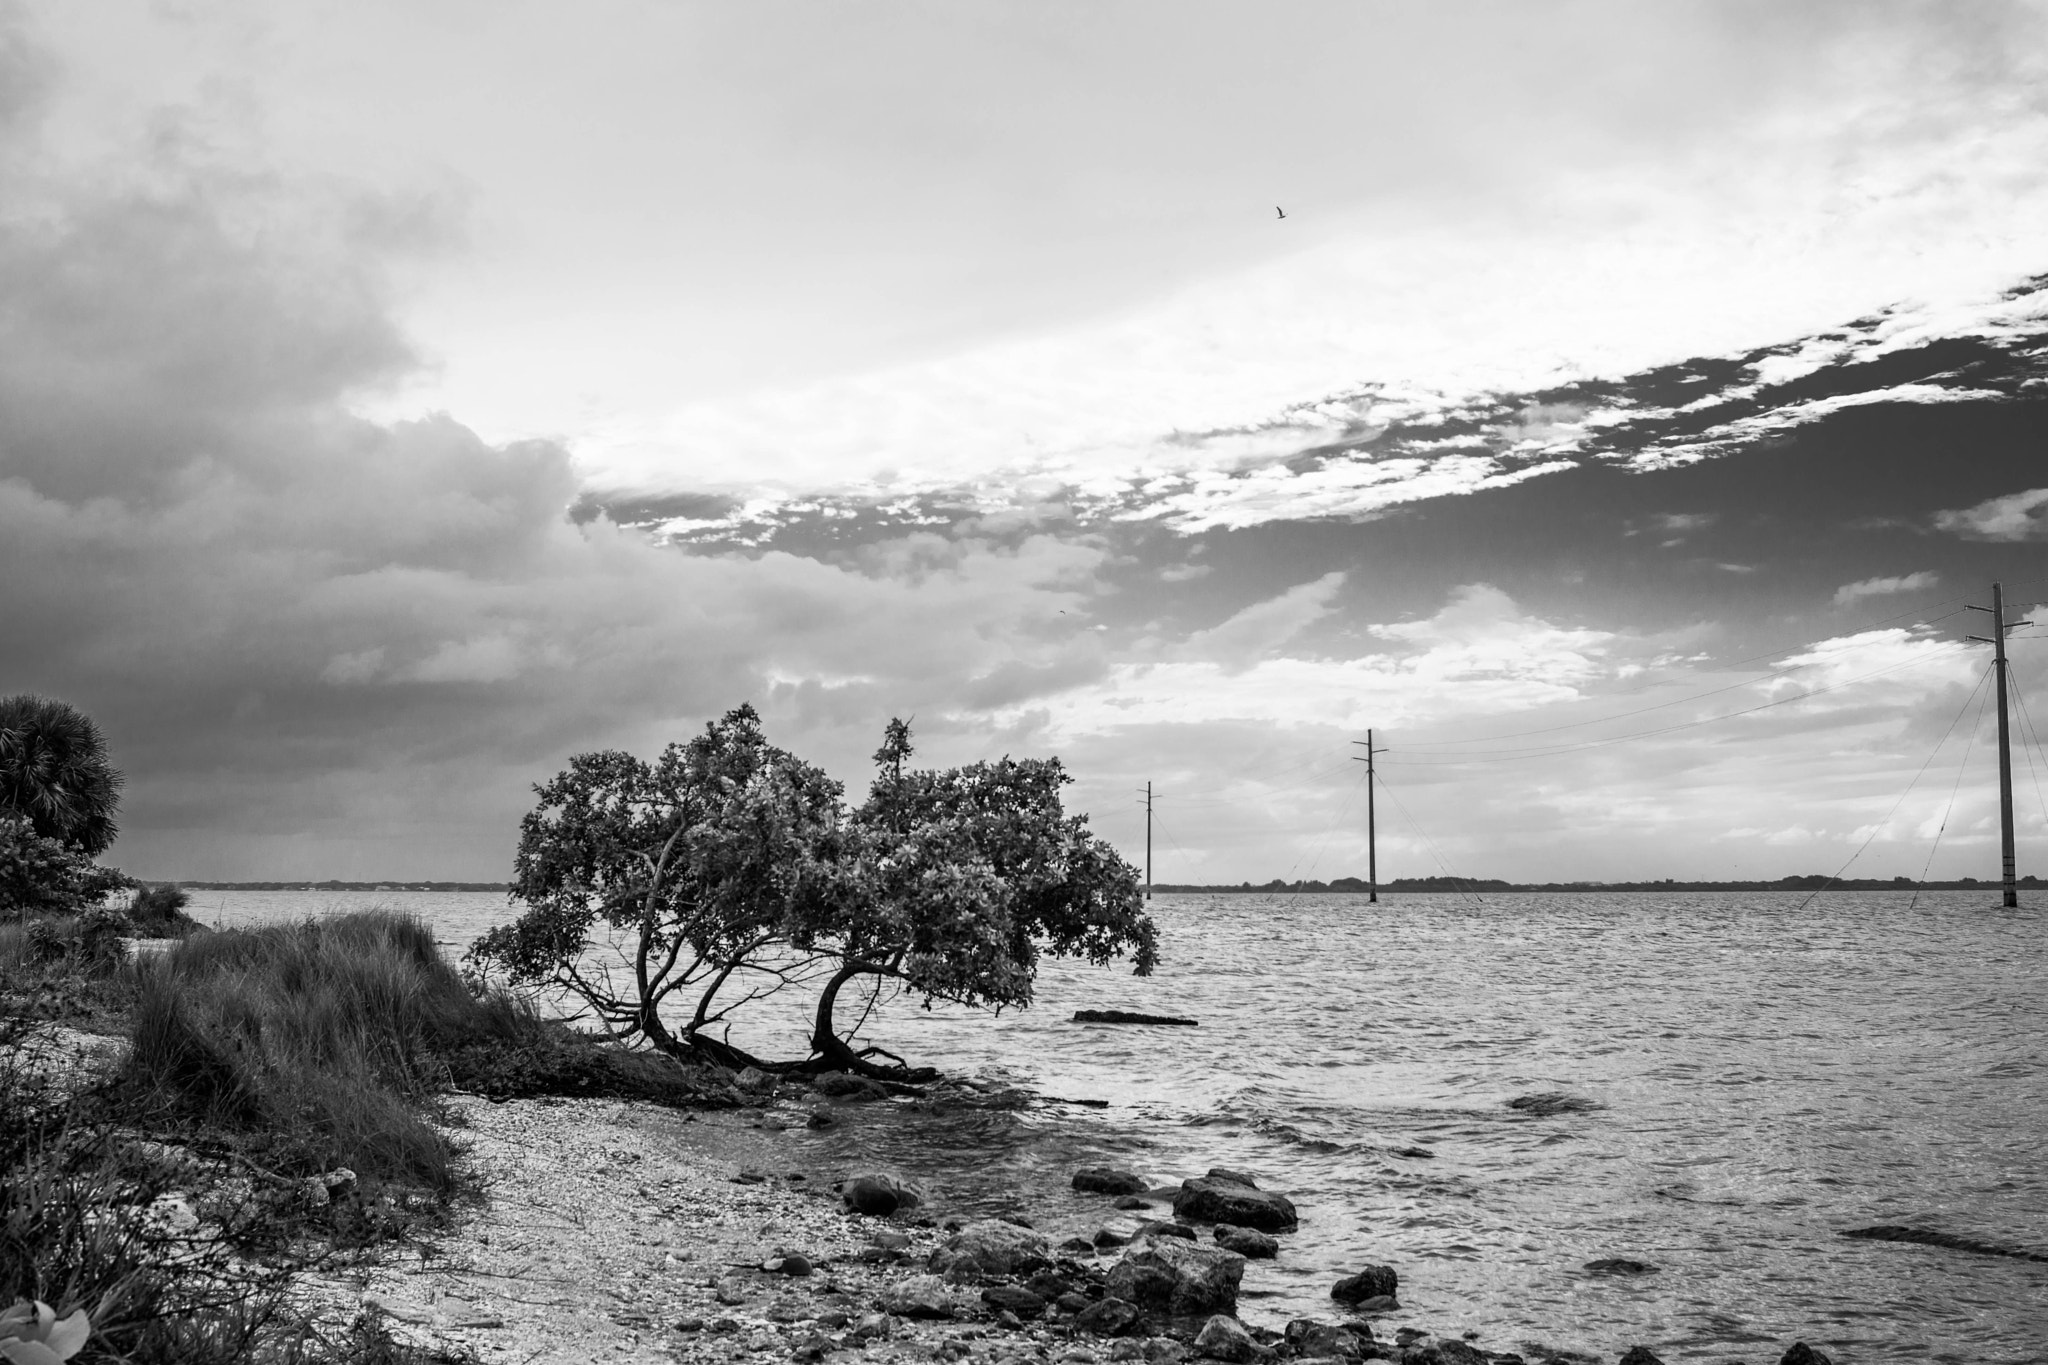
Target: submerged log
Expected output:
[1127,1017]
[1892,1232]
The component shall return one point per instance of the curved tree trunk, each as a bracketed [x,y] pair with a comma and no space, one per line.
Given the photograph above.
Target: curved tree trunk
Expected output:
[832,1053]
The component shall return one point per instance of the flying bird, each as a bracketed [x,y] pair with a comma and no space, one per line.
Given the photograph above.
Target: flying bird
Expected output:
[1277,209]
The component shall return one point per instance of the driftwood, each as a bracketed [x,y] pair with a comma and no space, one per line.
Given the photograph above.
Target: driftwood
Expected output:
[1892,1232]
[1126,1017]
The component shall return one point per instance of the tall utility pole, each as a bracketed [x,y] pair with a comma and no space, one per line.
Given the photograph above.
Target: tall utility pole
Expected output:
[1372,849]
[1148,841]
[1997,642]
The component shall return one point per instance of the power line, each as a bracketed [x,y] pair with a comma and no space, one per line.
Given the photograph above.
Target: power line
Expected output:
[1874,829]
[1737,663]
[1551,751]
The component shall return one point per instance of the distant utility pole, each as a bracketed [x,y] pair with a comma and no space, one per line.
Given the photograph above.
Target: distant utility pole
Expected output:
[1997,642]
[1372,851]
[1148,841]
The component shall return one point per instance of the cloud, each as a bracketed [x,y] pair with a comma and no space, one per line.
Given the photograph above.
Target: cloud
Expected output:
[1851,593]
[1260,629]
[2016,516]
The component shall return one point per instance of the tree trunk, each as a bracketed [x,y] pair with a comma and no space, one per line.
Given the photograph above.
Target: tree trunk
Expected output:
[831,1052]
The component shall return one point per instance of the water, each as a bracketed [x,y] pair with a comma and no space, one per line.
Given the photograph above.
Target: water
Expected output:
[1768,1076]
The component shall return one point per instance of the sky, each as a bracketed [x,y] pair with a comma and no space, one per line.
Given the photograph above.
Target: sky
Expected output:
[396,401]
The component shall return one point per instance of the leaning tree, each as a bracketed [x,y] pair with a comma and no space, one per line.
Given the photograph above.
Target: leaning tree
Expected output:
[694,865]
[956,882]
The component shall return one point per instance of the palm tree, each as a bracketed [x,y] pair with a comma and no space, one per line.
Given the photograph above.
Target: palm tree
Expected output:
[54,770]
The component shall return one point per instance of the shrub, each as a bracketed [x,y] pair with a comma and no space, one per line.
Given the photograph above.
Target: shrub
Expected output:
[159,911]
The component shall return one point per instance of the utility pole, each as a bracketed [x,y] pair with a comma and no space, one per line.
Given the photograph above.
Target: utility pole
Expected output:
[1148,841]
[1997,642]
[1372,851]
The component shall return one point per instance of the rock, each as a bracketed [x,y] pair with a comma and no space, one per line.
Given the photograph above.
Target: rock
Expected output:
[1802,1354]
[730,1292]
[1311,1338]
[1247,1242]
[1620,1265]
[1049,1284]
[891,1241]
[1177,1276]
[819,1119]
[1112,1318]
[877,1195]
[1127,1017]
[920,1296]
[1103,1180]
[1013,1298]
[340,1183]
[841,1085]
[1071,1302]
[1375,1281]
[1224,1338]
[992,1247]
[1131,1201]
[313,1192]
[1458,1353]
[1111,1235]
[813,1348]
[1378,1303]
[1640,1355]
[754,1079]
[1180,1230]
[1211,1200]
[1552,1102]
[1078,1246]
[1234,1177]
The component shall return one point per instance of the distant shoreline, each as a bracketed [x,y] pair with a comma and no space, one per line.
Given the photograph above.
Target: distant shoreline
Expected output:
[330,886]
[1342,886]
[1441,885]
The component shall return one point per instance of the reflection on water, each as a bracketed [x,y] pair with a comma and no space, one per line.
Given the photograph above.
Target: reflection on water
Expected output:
[1766,1078]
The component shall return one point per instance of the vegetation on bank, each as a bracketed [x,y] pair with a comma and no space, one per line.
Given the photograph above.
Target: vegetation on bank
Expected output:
[729,869]
[272,1103]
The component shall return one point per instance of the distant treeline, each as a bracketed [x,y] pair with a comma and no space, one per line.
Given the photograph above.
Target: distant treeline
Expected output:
[1814,882]
[340,886]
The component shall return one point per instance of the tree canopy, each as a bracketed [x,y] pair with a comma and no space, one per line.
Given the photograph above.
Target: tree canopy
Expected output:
[59,792]
[694,862]
[731,868]
[56,772]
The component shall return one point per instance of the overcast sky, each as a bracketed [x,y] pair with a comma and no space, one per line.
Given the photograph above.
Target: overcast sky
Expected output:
[396,400]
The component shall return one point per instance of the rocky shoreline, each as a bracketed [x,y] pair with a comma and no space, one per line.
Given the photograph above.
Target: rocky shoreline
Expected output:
[622,1231]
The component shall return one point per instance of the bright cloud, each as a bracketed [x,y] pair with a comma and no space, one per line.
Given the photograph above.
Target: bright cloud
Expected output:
[1851,593]
[2016,516]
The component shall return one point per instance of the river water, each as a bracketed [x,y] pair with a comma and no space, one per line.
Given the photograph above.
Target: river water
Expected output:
[1767,1074]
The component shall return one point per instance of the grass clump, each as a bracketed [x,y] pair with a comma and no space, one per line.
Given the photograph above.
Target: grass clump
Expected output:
[322,1036]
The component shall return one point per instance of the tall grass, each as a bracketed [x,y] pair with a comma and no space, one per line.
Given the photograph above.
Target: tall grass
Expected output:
[327,1034]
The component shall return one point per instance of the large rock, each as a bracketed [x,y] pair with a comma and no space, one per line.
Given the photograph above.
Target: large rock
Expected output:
[1179,1277]
[1453,1352]
[1211,1199]
[992,1247]
[1224,1338]
[1802,1354]
[1311,1338]
[1375,1281]
[877,1195]
[1246,1242]
[1640,1355]
[1103,1180]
